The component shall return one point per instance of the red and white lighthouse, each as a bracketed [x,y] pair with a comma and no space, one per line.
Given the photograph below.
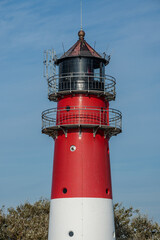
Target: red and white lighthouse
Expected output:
[81,125]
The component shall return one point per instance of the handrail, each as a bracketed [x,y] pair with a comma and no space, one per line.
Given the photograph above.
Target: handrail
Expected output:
[90,82]
[92,116]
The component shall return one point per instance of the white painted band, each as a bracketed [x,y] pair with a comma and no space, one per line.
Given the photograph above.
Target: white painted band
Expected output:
[86,218]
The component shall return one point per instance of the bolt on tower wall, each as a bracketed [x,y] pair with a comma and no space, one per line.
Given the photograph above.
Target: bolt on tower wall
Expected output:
[81,125]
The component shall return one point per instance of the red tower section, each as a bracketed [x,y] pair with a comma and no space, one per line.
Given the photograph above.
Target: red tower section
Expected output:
[81,126]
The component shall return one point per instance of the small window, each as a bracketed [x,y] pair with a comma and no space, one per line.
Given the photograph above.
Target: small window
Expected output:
[72,148]
[71,233]
[64,190]
[67,108]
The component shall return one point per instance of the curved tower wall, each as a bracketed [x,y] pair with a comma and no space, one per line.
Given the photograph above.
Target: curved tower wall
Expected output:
[81,197]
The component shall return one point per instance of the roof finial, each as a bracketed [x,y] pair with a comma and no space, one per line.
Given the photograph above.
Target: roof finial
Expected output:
[81,35]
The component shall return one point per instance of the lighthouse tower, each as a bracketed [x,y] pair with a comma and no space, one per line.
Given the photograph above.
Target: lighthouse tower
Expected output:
[81,125]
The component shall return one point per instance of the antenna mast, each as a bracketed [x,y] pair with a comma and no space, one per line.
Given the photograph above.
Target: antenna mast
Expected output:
[81,15]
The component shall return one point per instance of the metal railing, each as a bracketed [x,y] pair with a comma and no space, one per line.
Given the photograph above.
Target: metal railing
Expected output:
[81,82]
[88,116]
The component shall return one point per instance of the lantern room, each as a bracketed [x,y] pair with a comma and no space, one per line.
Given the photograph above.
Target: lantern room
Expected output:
[81,67]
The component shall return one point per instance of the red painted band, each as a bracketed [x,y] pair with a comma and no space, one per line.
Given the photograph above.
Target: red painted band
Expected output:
[82,100]
[84,172]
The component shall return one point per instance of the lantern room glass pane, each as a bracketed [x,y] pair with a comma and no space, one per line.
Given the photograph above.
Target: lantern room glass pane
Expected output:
[81,73]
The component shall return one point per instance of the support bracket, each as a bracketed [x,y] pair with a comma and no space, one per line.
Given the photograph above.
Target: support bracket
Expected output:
[64,130]
[80,132]
[95,129]
[107,134]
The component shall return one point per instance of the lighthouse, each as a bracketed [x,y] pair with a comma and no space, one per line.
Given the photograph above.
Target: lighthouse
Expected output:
[81,125]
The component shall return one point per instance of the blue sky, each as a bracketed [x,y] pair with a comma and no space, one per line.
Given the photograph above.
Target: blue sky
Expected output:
[130,32]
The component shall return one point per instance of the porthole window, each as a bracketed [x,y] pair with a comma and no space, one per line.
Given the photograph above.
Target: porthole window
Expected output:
[72,148]
[64,190]
[71,233]
[67,108]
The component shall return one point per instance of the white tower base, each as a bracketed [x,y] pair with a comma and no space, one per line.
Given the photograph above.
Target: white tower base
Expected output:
[81,219]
